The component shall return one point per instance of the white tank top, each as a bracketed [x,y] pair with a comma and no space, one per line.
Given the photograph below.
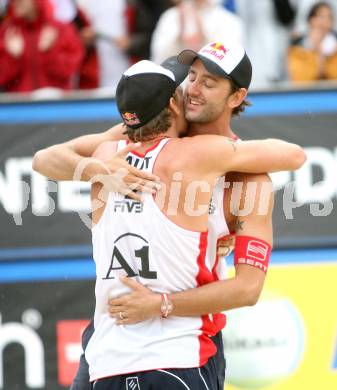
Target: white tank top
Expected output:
[217,230]
[138,240]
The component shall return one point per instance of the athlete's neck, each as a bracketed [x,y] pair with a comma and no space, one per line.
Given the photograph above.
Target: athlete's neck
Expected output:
[170,133]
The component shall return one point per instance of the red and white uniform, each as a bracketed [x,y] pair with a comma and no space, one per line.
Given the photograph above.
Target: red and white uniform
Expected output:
[138,240]
[217,229]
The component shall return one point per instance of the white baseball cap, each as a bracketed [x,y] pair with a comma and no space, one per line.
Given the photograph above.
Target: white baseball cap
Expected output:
[224,59]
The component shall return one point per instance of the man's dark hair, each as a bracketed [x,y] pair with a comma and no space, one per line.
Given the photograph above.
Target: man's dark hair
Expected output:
[315,8]
[158,125]
[245,103]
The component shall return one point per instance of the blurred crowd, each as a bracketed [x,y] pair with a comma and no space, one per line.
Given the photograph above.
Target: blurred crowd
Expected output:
[87,44]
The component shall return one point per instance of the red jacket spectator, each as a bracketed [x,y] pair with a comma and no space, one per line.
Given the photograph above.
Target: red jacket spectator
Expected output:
[89,70]
[37,51]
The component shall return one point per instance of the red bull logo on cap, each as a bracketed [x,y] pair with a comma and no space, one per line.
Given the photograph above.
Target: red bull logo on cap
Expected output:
[130,118]
[217,49]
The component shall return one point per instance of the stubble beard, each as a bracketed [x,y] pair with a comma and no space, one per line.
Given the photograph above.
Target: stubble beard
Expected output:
[207,115]
[199,117]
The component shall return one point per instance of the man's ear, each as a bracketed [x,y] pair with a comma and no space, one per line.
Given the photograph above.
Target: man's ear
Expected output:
[173,106]
[236,98]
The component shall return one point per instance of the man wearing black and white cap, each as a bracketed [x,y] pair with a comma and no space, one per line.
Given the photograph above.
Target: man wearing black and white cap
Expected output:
[209,110]
[230,61]
[202,91]
[162,244]
[215,63]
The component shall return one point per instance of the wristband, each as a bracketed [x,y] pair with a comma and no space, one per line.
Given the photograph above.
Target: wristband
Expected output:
[252,251]
[166,305]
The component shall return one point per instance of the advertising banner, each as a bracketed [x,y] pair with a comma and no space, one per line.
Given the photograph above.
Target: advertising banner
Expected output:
[306,198]
[38,213]
[288,341]
[40,328]
[285,342]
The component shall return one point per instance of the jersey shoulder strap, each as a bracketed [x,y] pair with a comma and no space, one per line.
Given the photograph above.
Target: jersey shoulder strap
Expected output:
[144,161]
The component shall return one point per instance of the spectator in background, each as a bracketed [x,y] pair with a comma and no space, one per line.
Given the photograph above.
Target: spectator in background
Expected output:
[3,5]
[303,8]
[64,10]
[108,19]
[313,56]
[89,71]
[123,30]
[36,51]
[230,5]
[267,25]
[68,11]
[191,24]
[142,17]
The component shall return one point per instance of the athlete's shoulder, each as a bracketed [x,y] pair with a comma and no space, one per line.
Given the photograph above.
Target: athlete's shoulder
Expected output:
[210,146]
[195,146]
[202,140]
[105,150]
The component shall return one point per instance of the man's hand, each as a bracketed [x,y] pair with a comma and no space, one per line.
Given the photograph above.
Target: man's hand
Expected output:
[14,42]
[316,37]
[120,176]
[122,43]
[139,305]
[226,245]
[48,37]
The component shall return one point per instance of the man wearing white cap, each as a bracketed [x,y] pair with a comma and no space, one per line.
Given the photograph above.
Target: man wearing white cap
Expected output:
[161,245]
[205,108]
[196,105]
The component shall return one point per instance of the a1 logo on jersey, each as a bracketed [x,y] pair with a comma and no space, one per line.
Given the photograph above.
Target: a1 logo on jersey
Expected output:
[128,265]
[132,383]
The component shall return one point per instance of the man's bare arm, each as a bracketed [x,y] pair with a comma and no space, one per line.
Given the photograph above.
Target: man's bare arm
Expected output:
[220,154]
[73,160]
[241,290]
[245,287]
[59,162]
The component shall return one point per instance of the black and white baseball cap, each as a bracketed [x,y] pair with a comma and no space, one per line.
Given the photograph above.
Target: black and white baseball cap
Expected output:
[179,70]
[224,59]
[145,90]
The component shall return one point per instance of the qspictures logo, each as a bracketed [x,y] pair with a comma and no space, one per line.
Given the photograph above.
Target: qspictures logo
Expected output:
[41,198]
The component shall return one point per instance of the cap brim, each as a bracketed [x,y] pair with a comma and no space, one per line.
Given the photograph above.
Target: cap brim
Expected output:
[179,69]
[187,57]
